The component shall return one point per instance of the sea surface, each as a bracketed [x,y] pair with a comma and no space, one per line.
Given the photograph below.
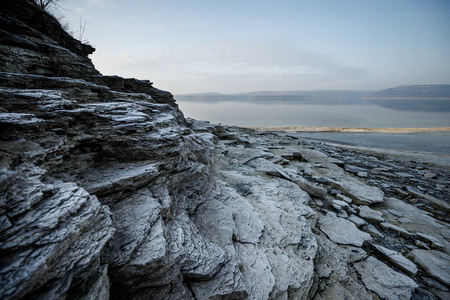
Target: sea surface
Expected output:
[323,113]
[338,113]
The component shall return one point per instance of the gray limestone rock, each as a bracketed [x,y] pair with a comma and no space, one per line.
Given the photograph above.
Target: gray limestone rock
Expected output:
[394,228]
[435,243]
[70,144]
[342,231]
[430,175]
[404,175]
[310,188]
[355,253]
[106,190]
[362,174]
[416,221]
[421,244]
[340,205]
[359,192]
[397,259]
[384,281]
[369,214]
[344,198]
[54,231]
[433,201]
[358,221]
[434,262]
[372,230]
[337,279]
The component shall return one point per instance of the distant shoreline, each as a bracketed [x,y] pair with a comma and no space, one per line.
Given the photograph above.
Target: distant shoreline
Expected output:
[405,98]
[344,129]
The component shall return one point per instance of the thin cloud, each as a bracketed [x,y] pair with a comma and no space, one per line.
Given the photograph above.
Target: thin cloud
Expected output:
[230,61]
[96,2]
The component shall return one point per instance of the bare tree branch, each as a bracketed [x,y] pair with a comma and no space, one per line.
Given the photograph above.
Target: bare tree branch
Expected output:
[82,29]
[44,3]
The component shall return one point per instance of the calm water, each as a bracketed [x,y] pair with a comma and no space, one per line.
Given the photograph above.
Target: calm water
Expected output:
[339,113]
[434,142]
[322,113]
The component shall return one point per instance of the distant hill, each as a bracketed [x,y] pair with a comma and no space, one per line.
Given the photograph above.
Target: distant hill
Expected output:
[275,95]
[437,91]
[206,97]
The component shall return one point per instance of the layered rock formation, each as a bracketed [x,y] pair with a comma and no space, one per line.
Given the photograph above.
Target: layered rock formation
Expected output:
[108,192]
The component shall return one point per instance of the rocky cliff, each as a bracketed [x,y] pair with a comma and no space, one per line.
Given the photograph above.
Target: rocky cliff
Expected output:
[108,192]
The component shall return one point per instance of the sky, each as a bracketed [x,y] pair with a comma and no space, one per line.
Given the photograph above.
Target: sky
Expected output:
[194,46]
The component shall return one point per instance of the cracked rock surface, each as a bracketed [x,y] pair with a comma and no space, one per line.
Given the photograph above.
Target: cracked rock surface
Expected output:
[108,192]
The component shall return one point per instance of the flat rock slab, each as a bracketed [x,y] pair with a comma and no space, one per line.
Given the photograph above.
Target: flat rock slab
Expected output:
[397,259]
[355,253]
[397,229]
[373,231]
[384,281]
[418,222]
[435,243]
[433,201]
[359,192]
[357,220]
[312,189]
[342,231]
[434,262]
[367,213]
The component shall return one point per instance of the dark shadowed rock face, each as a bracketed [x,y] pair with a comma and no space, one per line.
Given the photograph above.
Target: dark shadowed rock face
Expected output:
[106,191]
[93,172]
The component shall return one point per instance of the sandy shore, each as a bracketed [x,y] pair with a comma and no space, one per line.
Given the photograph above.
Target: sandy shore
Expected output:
[345,129]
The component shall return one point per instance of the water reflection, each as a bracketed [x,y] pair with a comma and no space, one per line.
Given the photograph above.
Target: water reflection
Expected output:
[414,104]
[317,113]
[424,105]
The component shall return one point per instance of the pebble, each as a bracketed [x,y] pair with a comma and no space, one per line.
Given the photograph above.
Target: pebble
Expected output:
[352,169]
[421,244]
[404,175]
[362,174]
[430,175]
[344,198]
[321,180]
[335,192]
[339,205]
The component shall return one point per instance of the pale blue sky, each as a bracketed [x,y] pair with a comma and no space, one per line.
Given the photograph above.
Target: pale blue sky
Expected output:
[241,46]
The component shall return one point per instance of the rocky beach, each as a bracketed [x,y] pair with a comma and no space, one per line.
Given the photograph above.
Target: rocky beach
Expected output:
[108,192]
